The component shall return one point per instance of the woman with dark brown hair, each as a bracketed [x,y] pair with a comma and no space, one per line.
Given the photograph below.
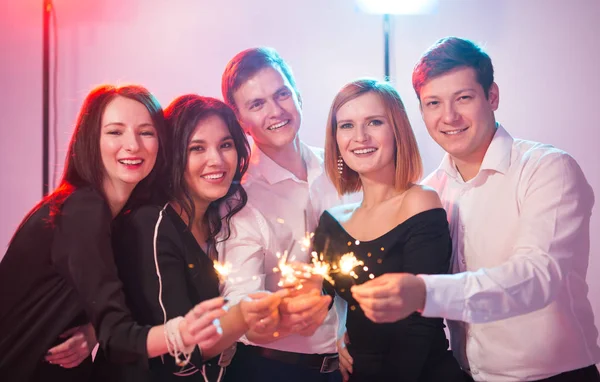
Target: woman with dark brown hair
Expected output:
[59,273]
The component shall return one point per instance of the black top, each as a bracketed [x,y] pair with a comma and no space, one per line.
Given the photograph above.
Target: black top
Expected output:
[187,276]
[60,274]
[409,349]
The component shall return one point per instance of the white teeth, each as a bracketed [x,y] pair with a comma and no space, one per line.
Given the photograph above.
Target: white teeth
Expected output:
[277,126]
[455,131]
[214,176]
[130,161]
[364,151]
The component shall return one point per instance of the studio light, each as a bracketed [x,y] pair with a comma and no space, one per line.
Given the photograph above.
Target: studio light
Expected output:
[394,7]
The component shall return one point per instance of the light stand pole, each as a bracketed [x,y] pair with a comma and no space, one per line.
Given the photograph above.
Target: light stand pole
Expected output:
[46,96]
[386,46]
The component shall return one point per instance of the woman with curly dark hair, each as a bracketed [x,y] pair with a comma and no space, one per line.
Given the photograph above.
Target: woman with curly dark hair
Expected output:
[165,253]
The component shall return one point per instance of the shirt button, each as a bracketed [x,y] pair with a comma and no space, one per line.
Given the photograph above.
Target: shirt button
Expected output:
[474,370]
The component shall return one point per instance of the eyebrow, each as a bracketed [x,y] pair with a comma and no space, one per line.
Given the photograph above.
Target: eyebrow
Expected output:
[283,87]
[145,124]
[202,141]
[368,118]
[453,94]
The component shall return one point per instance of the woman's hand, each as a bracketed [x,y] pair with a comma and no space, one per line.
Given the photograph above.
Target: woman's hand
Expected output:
[201,325]
[79,345]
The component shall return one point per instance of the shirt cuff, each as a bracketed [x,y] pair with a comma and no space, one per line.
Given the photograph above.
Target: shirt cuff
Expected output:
[444,296]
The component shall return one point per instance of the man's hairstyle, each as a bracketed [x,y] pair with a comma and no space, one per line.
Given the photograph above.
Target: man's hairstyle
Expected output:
[246,64]
[450,53]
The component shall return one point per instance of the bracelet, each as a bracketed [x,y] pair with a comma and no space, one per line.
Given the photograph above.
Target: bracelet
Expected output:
[177,349]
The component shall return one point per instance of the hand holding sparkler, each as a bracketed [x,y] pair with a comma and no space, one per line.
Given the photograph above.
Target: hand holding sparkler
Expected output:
[391,296]
[300,278]
[261,310]
[201,325]
[304,313]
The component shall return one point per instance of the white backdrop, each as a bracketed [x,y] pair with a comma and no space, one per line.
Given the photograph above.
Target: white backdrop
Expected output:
[546,54]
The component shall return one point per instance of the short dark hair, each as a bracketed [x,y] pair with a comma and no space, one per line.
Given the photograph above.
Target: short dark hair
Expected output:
[182,116]
[448,54]
[246,64]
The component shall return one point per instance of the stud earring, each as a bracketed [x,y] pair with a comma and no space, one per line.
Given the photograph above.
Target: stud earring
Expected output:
[340,165]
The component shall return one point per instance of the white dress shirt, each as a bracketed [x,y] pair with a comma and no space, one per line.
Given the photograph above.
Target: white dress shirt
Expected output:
[521,242]
[281,209]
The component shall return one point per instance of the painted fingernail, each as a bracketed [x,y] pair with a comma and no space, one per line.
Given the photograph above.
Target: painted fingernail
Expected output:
[219,330]
[226,308]
[216,322]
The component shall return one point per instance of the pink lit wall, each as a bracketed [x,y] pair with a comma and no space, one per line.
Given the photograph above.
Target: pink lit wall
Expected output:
[545,52]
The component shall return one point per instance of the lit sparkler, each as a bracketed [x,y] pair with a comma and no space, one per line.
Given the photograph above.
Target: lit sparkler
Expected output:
[222,269]
[347,264]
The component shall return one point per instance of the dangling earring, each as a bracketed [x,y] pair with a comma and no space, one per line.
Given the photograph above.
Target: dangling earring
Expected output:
[340,165]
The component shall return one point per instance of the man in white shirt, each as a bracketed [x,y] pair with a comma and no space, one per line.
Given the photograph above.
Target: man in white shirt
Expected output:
[519,214]
[287,191]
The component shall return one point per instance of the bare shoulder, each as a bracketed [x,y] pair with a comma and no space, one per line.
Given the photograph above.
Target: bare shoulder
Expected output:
[420,198]
[343,212]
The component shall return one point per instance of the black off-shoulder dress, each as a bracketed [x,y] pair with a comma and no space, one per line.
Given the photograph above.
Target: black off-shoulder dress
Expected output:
[413,349]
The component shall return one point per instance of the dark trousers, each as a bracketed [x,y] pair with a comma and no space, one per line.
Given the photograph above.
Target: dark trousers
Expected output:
[585,374]
[249,367]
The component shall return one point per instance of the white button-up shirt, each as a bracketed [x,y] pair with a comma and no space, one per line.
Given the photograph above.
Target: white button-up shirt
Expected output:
[281,209]
[521,242]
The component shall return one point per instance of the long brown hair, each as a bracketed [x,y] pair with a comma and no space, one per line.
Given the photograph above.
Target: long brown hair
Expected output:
[83,163]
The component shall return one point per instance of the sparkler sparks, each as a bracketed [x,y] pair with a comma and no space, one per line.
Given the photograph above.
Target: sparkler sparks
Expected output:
[223,269]
[347,264]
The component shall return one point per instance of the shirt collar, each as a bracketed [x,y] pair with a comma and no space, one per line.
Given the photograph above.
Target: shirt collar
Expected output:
[497,156]
[262,165]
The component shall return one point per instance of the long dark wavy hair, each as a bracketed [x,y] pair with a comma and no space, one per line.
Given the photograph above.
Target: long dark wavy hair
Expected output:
[182,117]
[83,164]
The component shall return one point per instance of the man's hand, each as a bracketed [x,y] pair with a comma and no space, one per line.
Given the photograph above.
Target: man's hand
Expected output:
[390,297]
[80,343]
[261,310]
[346,360]
[304,313]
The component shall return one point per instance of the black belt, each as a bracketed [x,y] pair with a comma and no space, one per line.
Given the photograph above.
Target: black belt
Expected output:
[325,363]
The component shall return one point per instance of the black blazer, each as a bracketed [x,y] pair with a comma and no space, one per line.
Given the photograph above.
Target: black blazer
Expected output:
[186,273]
[58,274]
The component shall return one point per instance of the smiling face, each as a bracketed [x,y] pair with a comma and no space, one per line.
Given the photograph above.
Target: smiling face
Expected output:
[365,136]
[458,115]
[128,143]
[211,161]
[268,109]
